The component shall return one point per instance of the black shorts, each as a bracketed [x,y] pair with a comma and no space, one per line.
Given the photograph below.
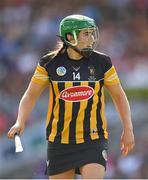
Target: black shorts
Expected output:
[63,157]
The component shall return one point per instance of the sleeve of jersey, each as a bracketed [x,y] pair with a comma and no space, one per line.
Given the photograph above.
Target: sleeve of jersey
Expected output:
[111,77]
[40,76]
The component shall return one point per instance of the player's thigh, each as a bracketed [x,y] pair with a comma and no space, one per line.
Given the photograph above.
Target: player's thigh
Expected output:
[92,171]
[64,175]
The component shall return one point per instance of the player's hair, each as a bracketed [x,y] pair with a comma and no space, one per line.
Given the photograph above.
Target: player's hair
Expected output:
[60,49]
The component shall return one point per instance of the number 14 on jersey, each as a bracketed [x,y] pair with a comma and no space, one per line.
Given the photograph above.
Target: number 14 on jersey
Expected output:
[76,76]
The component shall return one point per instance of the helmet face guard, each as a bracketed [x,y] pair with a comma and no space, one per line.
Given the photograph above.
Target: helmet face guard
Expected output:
[73,25]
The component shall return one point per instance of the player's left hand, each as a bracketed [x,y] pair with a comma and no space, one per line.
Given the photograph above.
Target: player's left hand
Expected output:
[127,141]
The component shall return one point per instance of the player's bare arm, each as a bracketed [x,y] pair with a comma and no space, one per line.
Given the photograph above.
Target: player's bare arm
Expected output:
[26,105]
[122,106]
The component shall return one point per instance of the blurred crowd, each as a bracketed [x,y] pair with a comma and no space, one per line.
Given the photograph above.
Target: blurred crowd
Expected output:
[135,165]
[28,30]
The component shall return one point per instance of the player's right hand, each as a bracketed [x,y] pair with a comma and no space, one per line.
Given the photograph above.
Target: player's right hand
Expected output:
[16,128]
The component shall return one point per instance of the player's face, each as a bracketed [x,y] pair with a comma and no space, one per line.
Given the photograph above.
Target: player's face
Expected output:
[86,38]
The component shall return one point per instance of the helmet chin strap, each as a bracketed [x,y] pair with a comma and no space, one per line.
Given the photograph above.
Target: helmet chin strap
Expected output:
[86,52]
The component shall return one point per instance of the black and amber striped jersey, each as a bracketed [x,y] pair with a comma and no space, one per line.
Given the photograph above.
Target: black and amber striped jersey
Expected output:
[76,111]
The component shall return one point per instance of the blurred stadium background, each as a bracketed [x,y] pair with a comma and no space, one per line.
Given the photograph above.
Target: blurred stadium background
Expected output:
[28,30]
